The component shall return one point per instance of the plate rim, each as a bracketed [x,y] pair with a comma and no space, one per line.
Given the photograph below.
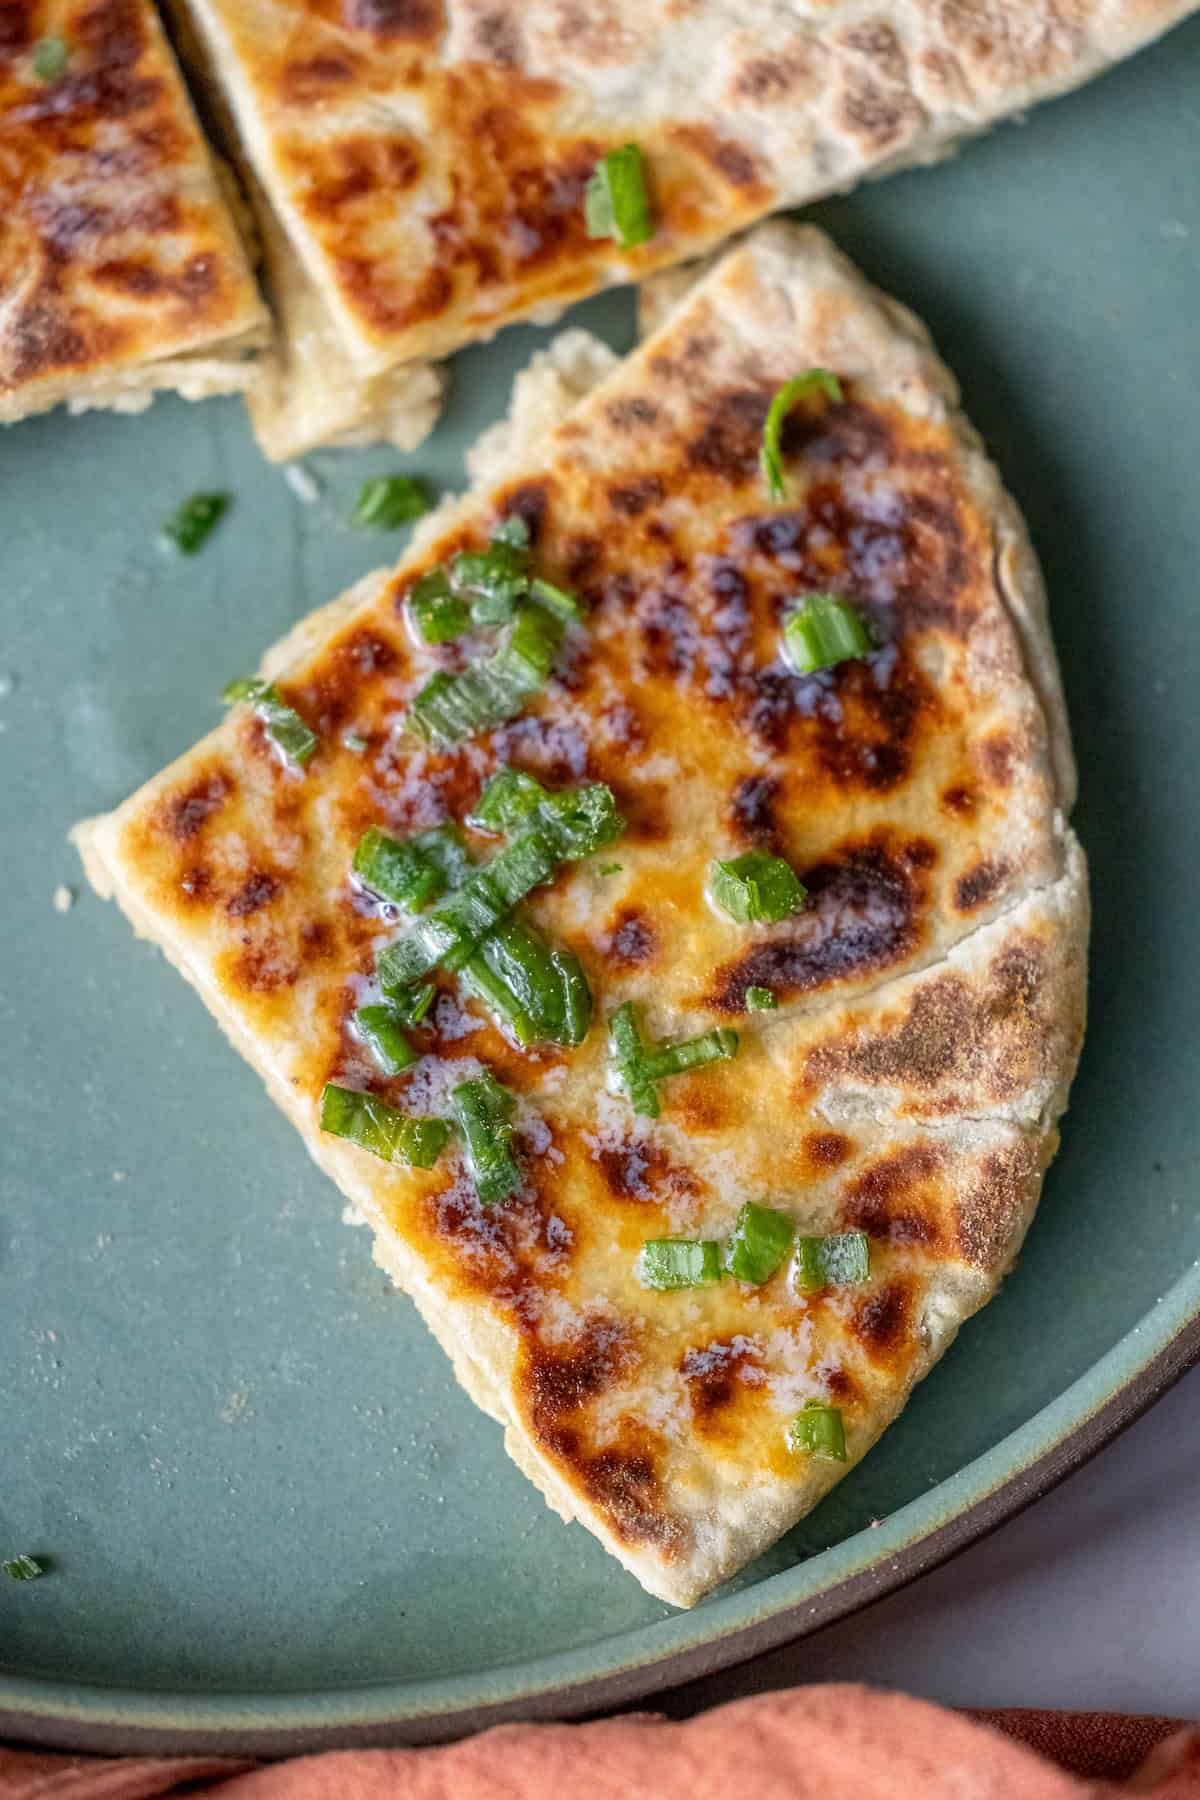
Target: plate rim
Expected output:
[1100,1403]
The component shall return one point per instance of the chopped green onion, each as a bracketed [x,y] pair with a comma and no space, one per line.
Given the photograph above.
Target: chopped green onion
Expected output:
[717,1045]
[389,501]
[23,1568]
[282,722]
[381,1030]
[49,61]
[508,799]
[450,707]
[679,1263]
[756,887]
[824,631]
[513,530]
[639,1067]
[761,1240]
[770,456]
[610,868]
[411,1004]
[760,999]
[189,526]
[437,613]
[615,203]
[493,580]
[820,1431]
[410,872]
[381,1129]
[556,598]
[835,1261]
[570,825]
[542,995]
[484,1111]
[352,742]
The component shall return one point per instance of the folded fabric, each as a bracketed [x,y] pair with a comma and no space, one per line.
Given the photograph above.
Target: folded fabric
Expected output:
[797,1745]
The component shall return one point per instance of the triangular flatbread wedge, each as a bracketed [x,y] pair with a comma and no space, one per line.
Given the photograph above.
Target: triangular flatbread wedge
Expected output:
[122,272]
[420,166]
[897,1091]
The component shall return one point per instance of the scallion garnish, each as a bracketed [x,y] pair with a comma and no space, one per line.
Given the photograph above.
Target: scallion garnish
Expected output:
[639,1067]
[439,614]
[382,1129]
[760,999]
[450,707]
[389,501]
[761,1240]
[756,887]
[411,1004]
[816,381]
[49,61]
[484,1111]
[615,203]
[188,528]
[508,799]
[381,1030]
[541,995]
[838,1260]
[492,580]
[569,825]
[282,722]
[610,869]
[557,599]
[353,742]
[513,530]
[824,631]
[410,872]
[23,1568]
[679,1263]
[819,1431]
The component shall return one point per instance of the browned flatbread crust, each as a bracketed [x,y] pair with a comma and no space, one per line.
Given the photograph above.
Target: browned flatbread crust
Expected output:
[931,995]
[121,269]
[423,162]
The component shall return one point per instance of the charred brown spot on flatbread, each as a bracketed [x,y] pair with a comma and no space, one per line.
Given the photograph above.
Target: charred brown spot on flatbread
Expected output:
[989,1214]
[414,21]
[632,498]
[256,891]
[863,915]
[638,1170]
[752,808]
[895,1197]
[353,168]
[731,160]
[184,814]
[630,939]
[827,1149]
[883,1321]
[981,884]
[879,118]
[310,80]
[718,1376]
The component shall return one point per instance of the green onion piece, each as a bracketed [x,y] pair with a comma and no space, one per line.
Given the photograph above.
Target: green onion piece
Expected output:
[556,598]
[615,203]
[508,799]
[451,707]
[542,995]
[717,1045]
[484,1112]
[389,501]
[610,868]
[189,526]
[628,1054]
[679,1263]
[352,742]
[835,1261]
[381,1030]
[824,631]
[23,1568]
[513,530]
[756,887]
[761,1240]
[410,872]
[49,61]
[760,999]
[820,1431]
[438,614]
[571,825]
[770,457]
[382,1129]
[411,1004]
[283,723]
[493,580]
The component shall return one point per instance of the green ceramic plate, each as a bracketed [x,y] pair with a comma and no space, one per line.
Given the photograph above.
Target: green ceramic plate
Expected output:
[272,1517]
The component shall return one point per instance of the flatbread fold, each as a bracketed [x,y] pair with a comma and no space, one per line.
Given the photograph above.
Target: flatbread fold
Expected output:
[420,165]
[931,993]
[122,272]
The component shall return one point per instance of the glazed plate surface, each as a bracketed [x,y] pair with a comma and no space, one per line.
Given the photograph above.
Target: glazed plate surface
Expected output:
[272,1518]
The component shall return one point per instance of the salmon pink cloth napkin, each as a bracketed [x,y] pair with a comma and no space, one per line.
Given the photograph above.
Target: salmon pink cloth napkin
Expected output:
[838,1743]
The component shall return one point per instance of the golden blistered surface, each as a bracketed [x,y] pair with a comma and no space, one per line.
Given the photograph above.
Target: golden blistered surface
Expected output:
[116,247]
[930,991]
